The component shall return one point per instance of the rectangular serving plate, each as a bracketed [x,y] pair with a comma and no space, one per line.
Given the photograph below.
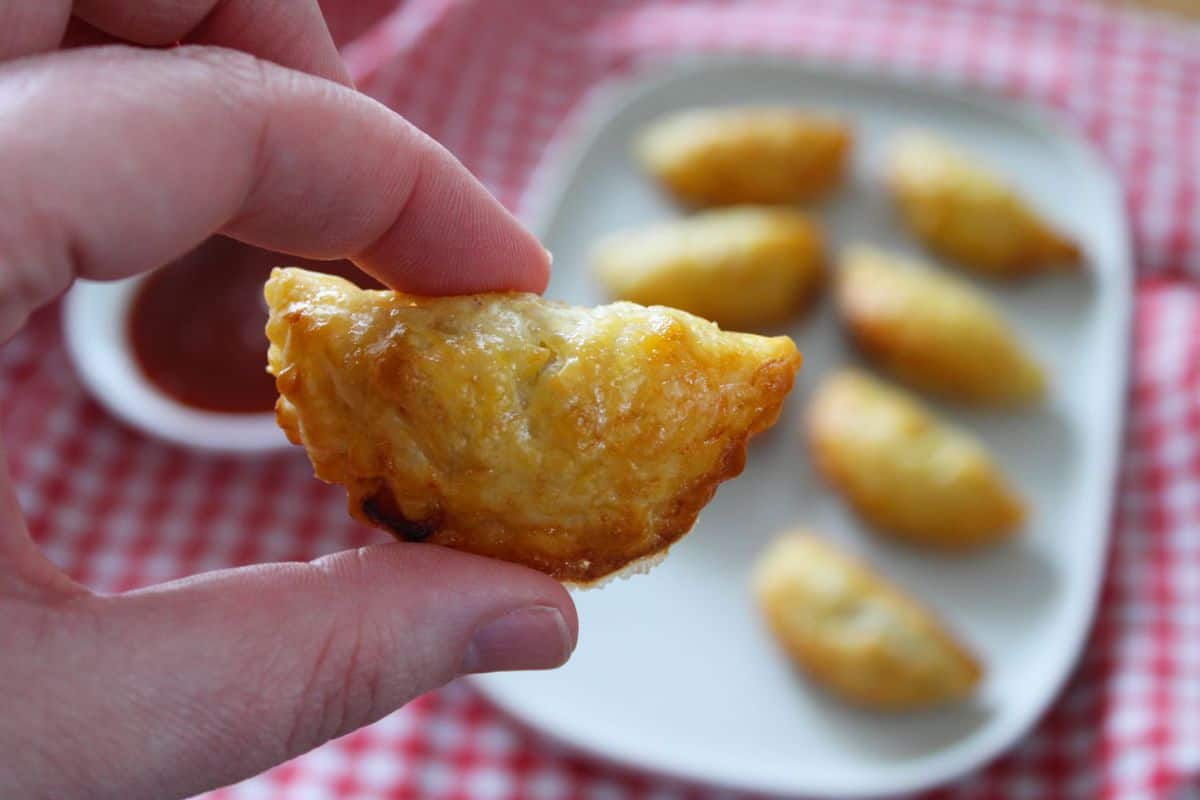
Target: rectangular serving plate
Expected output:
[674,670]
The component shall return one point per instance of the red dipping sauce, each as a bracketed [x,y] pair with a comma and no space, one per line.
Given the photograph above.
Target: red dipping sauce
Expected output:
[196,325]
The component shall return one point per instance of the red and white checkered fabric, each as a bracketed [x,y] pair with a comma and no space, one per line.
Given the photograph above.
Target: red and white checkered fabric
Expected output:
[494,80]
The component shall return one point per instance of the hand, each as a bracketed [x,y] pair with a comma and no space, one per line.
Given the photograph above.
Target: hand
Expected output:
[118,159]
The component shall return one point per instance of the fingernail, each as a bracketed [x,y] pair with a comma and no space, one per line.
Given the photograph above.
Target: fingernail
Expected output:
[528,638]
[549,258]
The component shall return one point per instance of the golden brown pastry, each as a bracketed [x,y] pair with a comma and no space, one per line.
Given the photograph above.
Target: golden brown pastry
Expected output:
[855,633]
[968,213]
[741,267]
[903,471]
[715,156]
[575,441]
[933,331]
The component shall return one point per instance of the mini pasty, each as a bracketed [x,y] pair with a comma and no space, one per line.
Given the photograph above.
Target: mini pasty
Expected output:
[906,473]
[572,440]
[741,267]
[968,213]
[729,156]
[855,633]
[933,331]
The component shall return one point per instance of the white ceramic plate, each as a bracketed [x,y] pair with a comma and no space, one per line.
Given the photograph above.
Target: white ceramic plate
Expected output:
[95,330]
[674,671]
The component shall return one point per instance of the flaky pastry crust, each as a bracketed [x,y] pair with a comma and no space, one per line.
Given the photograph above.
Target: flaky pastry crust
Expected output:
[730,156]
[934,331]
[905,472]
[857,634]
[966,212]
[744,267]
[574,441]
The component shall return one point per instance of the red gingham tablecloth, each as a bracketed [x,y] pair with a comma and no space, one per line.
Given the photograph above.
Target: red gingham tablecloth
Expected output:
[493,80]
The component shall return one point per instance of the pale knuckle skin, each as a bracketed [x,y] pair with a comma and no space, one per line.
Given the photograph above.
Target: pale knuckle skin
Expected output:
[352,676]
[340,693]
[37,256]
[42,246]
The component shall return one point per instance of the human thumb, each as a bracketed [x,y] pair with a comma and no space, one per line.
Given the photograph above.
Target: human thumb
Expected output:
[204,681]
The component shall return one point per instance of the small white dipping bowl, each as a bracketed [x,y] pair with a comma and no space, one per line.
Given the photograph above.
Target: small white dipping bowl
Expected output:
[95,329]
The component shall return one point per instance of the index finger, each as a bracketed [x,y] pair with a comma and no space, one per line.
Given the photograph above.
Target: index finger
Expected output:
[292,33]
[117,160]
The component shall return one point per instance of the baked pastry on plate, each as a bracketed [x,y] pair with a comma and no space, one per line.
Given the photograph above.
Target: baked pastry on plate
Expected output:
[905,472]
[966,212]
[855,633]
[933,331]
[730,156]
[742,267]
